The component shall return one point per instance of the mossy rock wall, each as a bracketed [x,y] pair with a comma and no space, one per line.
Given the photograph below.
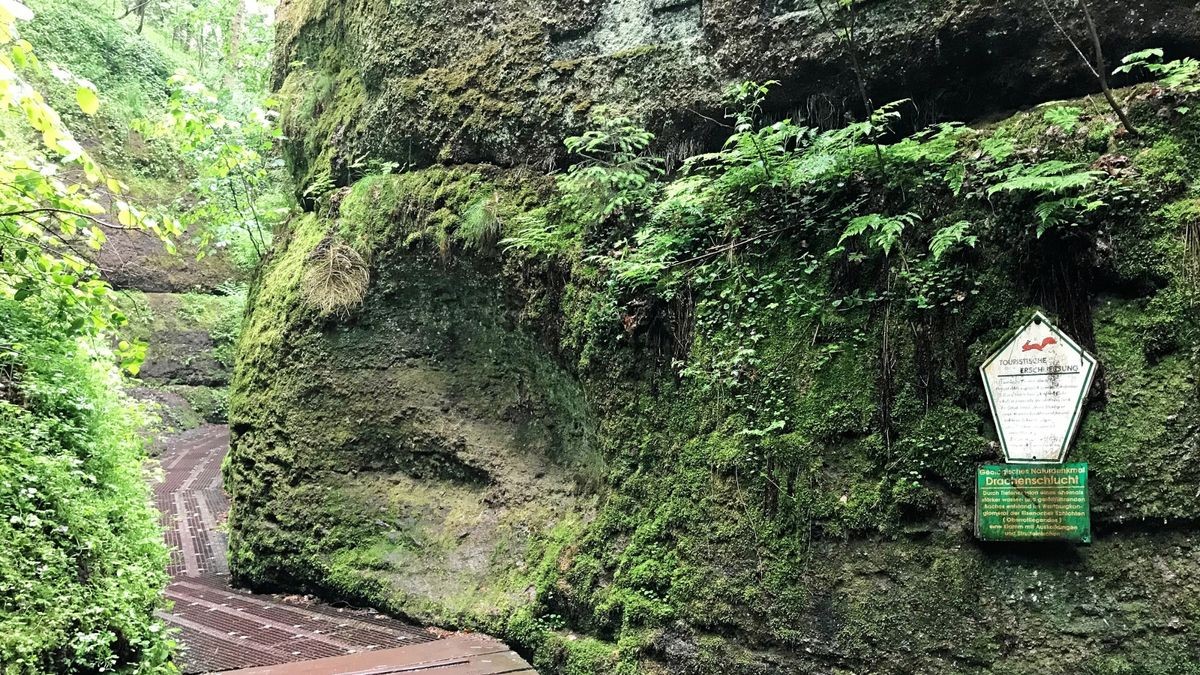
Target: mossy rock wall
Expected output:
[474,80]
[499,440]
[488,442]
[423,440]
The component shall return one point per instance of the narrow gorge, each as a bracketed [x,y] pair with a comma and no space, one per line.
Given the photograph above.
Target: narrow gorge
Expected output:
[600,337]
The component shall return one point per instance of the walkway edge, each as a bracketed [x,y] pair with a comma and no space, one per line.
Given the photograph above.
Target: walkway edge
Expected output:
[463,654]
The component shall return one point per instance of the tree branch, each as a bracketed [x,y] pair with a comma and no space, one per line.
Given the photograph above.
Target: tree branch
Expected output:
[1102,73]
[133,8]
[90,218]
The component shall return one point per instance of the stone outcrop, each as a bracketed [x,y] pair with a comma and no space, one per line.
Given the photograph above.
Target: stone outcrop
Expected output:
[419,81]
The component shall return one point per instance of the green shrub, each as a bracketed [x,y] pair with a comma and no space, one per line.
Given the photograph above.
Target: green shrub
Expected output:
[211,404]
[220,315]
[82,561]
[129,72]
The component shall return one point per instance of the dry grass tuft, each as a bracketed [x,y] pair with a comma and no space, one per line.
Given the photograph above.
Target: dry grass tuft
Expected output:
[336,279]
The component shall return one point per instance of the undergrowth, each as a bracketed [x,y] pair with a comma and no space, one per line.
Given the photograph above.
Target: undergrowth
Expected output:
[82,562]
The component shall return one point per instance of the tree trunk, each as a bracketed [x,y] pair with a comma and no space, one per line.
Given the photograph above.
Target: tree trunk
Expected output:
[233,41]
[1101,71]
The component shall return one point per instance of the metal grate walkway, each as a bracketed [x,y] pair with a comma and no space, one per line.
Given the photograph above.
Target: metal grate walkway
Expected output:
[222,628]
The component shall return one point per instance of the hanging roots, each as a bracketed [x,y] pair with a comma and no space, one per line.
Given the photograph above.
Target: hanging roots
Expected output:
[336,280]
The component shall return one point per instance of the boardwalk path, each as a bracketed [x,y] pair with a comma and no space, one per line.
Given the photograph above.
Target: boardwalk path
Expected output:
[225,629]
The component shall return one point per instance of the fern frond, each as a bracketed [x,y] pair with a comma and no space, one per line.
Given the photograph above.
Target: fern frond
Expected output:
[949,237]
[1053,177]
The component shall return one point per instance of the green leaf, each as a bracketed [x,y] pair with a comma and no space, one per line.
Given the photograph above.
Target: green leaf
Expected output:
[956,176]
[89,103]
[861,224]
[949,237]
[91,206]
[1052,177]
[1064,117]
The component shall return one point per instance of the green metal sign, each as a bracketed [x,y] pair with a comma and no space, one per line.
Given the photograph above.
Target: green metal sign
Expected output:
[1032,502]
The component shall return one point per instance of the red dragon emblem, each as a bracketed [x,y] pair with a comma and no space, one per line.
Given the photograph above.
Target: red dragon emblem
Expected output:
[1039,346]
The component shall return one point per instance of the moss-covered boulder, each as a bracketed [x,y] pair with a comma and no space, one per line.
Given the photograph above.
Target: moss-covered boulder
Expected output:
[423,440]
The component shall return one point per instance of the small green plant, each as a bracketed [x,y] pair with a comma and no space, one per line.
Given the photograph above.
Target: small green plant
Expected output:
[613,176]
[951,237]
[1065,117]
[1064,190]
[480,226]
[1181,76]
[883,232]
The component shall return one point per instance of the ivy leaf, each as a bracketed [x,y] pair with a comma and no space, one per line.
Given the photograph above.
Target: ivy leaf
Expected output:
[89,103]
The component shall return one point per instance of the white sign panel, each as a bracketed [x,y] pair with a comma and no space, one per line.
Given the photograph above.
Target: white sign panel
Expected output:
[1036,384]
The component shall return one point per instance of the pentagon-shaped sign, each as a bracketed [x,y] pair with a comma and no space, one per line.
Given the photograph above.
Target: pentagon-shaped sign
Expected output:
[1036,384]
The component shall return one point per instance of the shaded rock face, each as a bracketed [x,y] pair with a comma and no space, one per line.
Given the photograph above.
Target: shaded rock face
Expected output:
[188,357]
[458,81]
[136,260]
[180,350]
[425,433]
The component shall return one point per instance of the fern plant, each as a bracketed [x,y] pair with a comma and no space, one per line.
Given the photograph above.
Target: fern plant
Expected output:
[950,237]
[614,173]
[883,231]
[535,236]
[1182,75]
[1065,190]
[1065,117]
[644,261]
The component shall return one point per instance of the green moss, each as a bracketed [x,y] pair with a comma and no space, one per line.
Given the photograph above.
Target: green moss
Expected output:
[945,444]
[634,52]
[1160,163]
[317,105]
[423,206]
[1130,442]
[532,448]
[211,404]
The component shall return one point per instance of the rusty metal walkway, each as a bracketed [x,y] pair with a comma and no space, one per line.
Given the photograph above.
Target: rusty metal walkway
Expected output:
[223,629]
